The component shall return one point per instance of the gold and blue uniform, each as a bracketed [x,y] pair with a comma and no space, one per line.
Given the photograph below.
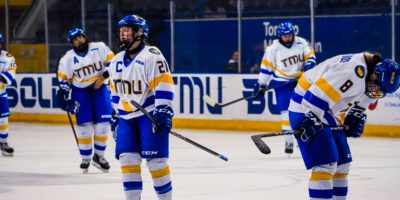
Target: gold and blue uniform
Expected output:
[8,69]
[329,90]
[146,79]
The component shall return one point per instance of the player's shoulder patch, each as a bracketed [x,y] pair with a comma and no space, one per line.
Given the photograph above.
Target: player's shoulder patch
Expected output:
[360,71]
[154,50]
[9,55]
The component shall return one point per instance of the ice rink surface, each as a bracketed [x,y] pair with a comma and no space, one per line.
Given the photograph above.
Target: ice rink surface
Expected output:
[46,166]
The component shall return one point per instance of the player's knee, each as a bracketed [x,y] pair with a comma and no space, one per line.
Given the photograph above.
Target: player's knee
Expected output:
[328,168]
[85,130]
[343,168]
[102,128]
[130,159]
[157,163]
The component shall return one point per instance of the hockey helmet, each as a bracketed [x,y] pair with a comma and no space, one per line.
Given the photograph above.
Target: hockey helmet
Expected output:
[135,21]
[73,33]
[284,28]
[388,73]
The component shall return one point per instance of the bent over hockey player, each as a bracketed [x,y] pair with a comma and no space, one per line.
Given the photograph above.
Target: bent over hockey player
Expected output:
[342,84]
[7,74]
[83,93]
[283,63]
[140,73]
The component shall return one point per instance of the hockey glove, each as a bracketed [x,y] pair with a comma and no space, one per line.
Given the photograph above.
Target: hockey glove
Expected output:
[310,125]
[66,104]
[259,90]
[354,122]
[114,124]
[163,116]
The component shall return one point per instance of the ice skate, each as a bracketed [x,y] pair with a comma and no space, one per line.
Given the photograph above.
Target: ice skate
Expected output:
[6,150]
[85,165]
[101,163]
[288,148]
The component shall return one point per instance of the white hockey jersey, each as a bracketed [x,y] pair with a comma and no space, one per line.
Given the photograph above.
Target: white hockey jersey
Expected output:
[332,87]
[146,79]
[8,67]
[83,71]
[282,63]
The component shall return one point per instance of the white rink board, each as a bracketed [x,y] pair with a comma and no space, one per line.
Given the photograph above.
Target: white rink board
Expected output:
[36,93]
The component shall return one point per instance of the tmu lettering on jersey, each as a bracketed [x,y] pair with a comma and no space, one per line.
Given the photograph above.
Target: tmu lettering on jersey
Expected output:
[292,60]
[88,70]
[128,87]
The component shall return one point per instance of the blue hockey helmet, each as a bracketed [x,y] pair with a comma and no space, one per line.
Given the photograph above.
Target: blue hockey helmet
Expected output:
[388,73]
[73,33]
[284,28]
[135,21]
[1,38]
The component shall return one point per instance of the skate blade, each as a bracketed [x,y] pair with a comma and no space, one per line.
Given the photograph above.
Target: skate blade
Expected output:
[5,154]
[85,171]
[99,167]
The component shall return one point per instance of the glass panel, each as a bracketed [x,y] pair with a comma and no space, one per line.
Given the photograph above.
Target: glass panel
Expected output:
[341,29]
[205,35]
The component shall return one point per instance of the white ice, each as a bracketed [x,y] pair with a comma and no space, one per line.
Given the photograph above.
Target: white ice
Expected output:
[46,166]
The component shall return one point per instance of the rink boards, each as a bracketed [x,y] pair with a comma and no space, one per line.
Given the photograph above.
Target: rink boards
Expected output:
[32,98]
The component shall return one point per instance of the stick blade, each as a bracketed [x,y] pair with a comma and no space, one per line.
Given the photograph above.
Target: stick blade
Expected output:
[209,101]
[261,144]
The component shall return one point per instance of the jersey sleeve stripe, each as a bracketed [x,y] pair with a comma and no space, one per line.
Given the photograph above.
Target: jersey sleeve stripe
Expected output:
[328,90]
[264,71]
[303,83]
[316,101]
[62,76]
[297,98]
[268,64]
[8,76]
[311,53]
[12,70]
[165,78]
[109,57]
[159,94]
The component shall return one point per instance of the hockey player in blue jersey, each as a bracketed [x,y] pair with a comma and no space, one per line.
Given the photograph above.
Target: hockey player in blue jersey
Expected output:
[7,74]
[344,84]
[140,73]
[83,93]
[283,63]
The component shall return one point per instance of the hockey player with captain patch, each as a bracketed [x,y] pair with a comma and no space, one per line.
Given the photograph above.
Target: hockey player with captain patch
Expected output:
[342,84]
[83,93]
[282,64]
[7,74]
[140,73]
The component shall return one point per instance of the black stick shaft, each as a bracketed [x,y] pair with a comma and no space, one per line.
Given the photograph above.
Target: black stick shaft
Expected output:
[73,128]
[250,97]
[222,157]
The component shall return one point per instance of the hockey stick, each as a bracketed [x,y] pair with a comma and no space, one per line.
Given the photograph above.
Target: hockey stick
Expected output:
[214,103]
[263,147]
[222,157]
[69,115]
[73,128]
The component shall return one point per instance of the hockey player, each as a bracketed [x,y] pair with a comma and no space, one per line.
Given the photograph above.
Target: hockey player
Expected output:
[140,73]
[7,74]
[342,84]
[283,63]
[83,93]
